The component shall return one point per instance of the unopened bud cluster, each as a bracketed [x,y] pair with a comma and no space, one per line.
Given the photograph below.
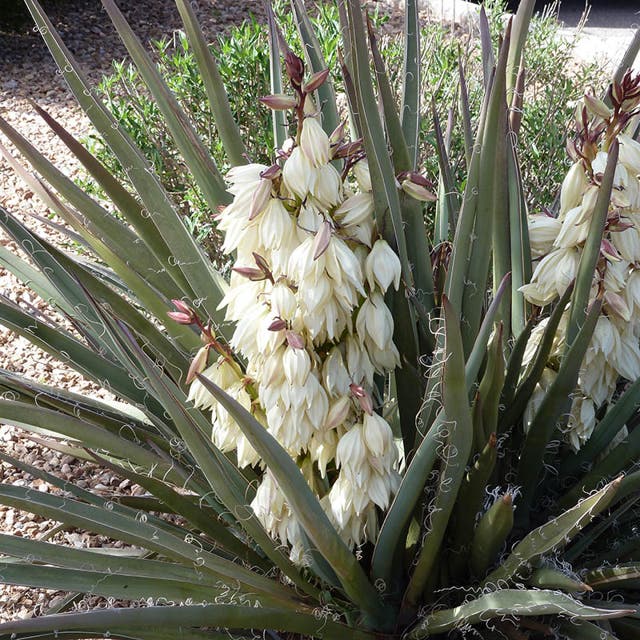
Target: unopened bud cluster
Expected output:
[558,243]
[306,295]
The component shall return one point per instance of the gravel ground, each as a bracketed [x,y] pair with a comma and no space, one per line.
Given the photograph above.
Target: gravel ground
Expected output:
[27,71]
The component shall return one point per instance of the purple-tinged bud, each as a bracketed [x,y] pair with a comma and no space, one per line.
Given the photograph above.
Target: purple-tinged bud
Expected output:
[279,101]
[294,340]
[597,107]
[179,317]
[315,81]
[184,313]
[271,173]
[338,133]
[362,396]
[294,67]
[260,198]
[255,275]
[338,412]
[417,191]
[348,149]
[322,239]
[198,364]
[609,251]
[261,263]
[615,304]
[277,325]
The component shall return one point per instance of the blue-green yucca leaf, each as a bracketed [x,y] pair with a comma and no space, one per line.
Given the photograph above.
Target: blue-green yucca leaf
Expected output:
[226,126]
[611,519]
[313,54]
[553,408]
[584,630]
[133,530]
[479,350]
[622,456]
[454,458]
[307,509]
[411,78]
[449,207]
[198,159]
[26,415]
[488,57]
[134,621]
[465,113]
[552,535]
[520,256]
[102,502]
[103,224]
[488,237]
[108,228]
[204,520]
[99,560]
[107,584]
[591,250]
[109,244]
[278,118]
[510,602]
[456,280]
[390,541]
[122,418]
[612,577]
[519,34]
[69,350]
[391,120]
[64,275]
[158,224]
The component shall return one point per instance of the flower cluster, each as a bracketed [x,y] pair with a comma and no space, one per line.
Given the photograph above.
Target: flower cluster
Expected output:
[614,351]
[306,295]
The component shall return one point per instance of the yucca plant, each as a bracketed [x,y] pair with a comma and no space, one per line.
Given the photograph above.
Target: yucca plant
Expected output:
[340,435]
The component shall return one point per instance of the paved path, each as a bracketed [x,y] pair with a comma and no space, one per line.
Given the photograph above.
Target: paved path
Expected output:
[608,31]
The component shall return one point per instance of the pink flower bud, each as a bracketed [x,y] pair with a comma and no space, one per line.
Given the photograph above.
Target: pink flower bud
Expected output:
[279,101]
[348,149]
[417,191]
[338,133]
[184,313]
[315,81]
[294,67]
[597,107]
[198,364]
[179,317]
[251,273]
[294,340]
[272,172]
[322,239]
[260,198]
[277,325]
[363,397]
[609,251]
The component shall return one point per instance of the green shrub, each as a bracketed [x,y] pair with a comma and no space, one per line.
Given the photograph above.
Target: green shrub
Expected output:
[554,84]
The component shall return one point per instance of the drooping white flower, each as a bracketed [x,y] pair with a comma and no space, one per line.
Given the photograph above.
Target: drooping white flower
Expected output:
[314,142]
[543,230]
[382,266]
[298,174]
